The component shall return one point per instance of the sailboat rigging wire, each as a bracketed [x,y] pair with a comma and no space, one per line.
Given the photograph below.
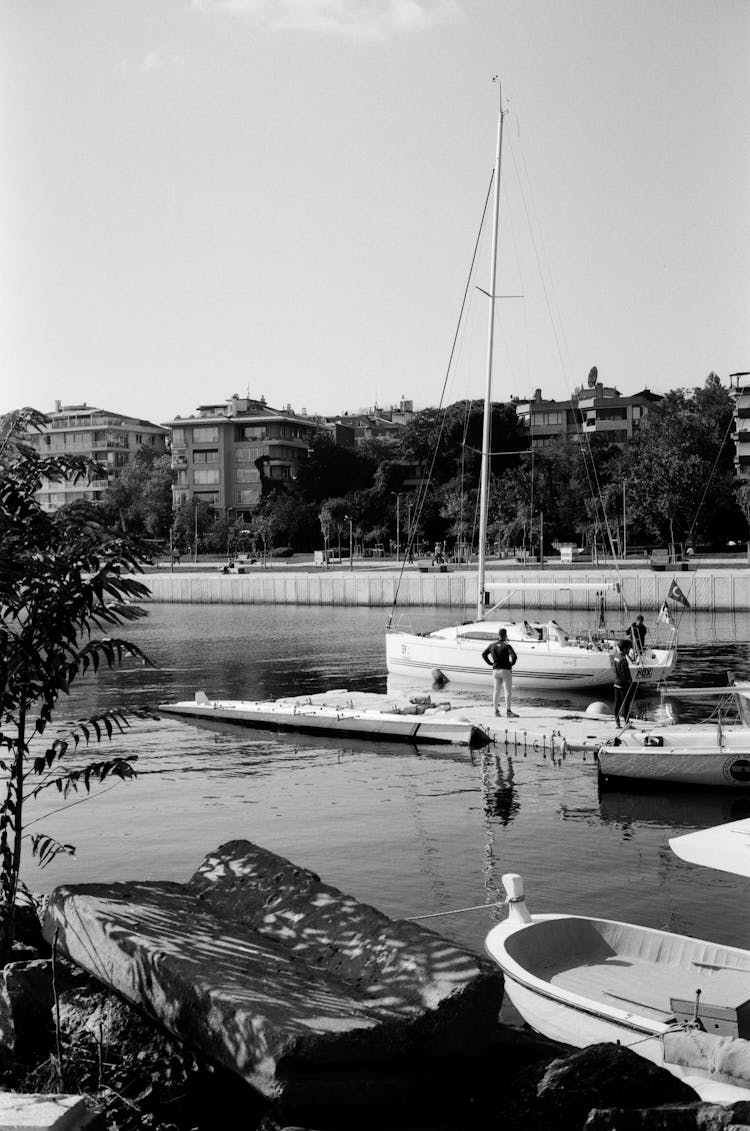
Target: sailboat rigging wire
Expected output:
[527,199]
[730,424]
[422,491]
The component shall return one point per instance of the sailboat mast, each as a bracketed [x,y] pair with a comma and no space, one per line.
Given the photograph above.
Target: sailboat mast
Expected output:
[484,484]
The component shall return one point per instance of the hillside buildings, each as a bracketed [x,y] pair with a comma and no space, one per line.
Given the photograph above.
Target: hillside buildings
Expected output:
[597,409]
[222,454]
[97,433]
[739,385]
[354,429]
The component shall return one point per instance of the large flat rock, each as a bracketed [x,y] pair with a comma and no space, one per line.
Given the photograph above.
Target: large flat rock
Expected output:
[285,980]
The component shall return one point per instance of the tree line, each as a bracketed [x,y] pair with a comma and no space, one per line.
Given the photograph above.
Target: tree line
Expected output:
[672,483]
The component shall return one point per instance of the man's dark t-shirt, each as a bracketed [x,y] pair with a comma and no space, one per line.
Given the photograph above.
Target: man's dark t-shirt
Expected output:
[503,656]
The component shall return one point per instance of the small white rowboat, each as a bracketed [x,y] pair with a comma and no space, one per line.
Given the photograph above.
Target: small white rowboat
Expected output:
[304,714]
[680,1002]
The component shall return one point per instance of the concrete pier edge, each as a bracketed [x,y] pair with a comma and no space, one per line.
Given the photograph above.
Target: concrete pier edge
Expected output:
[721,590]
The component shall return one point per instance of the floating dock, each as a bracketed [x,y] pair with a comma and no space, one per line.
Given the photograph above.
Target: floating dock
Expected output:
[432,717]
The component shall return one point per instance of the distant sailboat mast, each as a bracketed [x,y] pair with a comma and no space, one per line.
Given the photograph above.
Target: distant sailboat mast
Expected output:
[485,474]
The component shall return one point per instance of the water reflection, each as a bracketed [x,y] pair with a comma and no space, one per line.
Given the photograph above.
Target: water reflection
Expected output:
[673,809]
[499,797]
[411,830]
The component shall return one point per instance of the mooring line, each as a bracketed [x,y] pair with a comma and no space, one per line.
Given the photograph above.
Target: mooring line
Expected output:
[457,911]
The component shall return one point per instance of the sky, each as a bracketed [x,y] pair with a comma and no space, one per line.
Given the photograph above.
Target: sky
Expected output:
[281,198]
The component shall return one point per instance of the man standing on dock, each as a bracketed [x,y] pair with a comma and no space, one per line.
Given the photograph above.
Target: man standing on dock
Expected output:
[624,686]
[503,657]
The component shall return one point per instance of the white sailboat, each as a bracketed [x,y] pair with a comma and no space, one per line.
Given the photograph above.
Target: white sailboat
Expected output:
[548,657]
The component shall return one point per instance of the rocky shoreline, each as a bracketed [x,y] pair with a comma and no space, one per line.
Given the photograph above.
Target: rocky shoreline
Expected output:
[439,1061]
[132,1075]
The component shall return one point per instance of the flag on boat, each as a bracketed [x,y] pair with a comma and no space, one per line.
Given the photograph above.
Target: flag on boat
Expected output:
[664,617]
[676,594]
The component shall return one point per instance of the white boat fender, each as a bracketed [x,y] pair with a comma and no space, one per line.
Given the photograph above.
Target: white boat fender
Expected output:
[518,912]
[598,708]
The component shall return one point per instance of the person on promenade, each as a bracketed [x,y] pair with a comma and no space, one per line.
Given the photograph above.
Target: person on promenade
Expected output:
[501,657]
[638,632]
[624,686]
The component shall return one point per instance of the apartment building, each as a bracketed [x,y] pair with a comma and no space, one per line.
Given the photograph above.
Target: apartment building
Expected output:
[111,438]
[596,409]
[739,386]
[354,429]
[222,454]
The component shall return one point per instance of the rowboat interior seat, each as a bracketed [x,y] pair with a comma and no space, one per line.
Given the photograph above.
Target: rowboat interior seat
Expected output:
[631,968]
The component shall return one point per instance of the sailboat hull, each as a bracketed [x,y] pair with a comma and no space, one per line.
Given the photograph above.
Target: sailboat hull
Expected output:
[548,665]
[701,755]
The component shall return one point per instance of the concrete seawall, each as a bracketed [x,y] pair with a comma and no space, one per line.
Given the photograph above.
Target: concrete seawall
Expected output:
[721,590]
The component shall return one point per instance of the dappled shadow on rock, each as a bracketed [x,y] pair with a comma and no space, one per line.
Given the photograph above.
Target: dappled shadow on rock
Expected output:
[301,990]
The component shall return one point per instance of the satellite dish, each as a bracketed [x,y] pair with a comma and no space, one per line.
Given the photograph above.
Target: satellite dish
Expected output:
[593,376]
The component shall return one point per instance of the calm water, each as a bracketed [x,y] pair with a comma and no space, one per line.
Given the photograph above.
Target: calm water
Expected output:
[411,832]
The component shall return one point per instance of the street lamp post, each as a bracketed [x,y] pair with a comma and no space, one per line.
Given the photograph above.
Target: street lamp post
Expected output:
[624,525]
[398,525]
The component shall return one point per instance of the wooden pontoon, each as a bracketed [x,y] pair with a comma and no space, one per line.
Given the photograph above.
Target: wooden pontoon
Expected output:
[338,713]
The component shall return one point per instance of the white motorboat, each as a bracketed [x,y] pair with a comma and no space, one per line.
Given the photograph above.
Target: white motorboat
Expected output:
[715,753]
[680,1002]
[723,847]
[337,713]
[548,658]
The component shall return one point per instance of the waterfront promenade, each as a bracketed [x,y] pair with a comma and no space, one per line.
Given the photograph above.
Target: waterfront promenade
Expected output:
[714,586]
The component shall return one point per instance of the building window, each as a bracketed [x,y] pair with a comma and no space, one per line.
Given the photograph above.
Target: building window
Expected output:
[178,435]
[612,414]
[282,472]
[254,432]
[182,479]
[247,497]
[211,497]
[247,475]
[283,451]
[206,435]
[206,455]
[206,475]
[179,497]
[248,455]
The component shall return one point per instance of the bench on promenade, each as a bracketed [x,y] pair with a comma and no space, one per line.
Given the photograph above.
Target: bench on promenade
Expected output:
[661,559]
